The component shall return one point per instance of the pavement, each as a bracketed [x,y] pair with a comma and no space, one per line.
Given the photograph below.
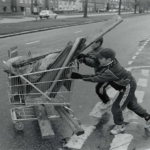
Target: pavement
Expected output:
[24,19]
[136,137]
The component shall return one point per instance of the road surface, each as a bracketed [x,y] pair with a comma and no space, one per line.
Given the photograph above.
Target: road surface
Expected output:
[126,39]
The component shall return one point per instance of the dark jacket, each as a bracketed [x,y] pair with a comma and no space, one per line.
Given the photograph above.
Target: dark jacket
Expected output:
[91,60]
[113,72]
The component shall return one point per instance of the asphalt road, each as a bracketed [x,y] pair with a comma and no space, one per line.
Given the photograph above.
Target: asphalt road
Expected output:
[125,39]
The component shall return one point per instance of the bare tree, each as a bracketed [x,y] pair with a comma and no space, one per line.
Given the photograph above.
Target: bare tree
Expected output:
[85,8]
[120,3]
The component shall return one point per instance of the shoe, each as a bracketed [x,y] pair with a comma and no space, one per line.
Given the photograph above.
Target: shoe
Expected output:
[118,129]
[147,122]
[107,105]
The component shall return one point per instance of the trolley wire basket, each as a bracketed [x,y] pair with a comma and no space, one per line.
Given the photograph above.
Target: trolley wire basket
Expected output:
[42,87]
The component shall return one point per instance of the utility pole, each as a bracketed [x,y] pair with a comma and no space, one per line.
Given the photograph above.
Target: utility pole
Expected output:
[119,11]
[85,9]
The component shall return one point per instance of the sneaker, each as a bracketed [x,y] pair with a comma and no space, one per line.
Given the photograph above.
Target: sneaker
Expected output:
[118,129]
[147,122]
[107,105]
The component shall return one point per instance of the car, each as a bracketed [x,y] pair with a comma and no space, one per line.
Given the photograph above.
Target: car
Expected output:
[47,14]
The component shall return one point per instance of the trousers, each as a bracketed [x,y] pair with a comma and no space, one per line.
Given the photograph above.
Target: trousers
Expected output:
[126,98]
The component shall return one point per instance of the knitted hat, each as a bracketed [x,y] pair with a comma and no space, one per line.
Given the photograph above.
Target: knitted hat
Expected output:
[106,53]
[100,40]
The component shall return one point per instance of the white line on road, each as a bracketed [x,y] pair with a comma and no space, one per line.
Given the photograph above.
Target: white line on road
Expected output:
[77,31]
[130,62]
[112,92]
[136,53]
[142,82]
[140,49]
[96,111]
[139,95]
[76,142]
[121,142]
[32,42]
[145,72]
[133,57]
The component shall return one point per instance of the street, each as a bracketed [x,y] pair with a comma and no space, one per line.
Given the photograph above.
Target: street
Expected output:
[126,39]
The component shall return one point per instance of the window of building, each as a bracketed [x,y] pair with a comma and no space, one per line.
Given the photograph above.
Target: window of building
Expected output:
[22,9]
[4,9]
[29,1]
[21,1]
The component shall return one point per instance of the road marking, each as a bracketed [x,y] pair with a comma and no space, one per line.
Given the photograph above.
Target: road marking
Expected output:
[136,53]
[136,67]
[130,62]
[145,72]
[96,111]
[121,142]
[32,42]
[112,92]
[139,95]
[140,49]
[129,115]
[133,57]
[77,31]
[77,142]
[142,82]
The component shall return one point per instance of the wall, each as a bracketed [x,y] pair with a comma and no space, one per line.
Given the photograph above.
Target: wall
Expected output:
[5,6]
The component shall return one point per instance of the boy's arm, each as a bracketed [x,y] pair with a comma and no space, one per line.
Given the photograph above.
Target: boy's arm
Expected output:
[90,62]
[103,77]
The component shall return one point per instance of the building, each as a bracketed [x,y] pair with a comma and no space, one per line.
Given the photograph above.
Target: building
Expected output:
[96,5]
[67,5]
[5,6]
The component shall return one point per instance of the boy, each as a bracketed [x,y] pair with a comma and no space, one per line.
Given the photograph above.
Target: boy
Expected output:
[90,60]
[112,73]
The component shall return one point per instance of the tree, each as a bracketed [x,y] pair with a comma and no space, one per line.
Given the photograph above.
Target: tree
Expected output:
[108,7]
[135,6]
[94,5]
[120,3]
[85,8]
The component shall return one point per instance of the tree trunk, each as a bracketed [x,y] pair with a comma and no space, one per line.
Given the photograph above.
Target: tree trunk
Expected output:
[119,11]
[135,6]
[85,9]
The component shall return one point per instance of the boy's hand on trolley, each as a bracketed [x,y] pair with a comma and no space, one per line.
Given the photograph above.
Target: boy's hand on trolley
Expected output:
[75,75]
[81,58]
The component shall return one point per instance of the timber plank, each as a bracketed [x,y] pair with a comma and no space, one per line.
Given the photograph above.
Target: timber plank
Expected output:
[44,123]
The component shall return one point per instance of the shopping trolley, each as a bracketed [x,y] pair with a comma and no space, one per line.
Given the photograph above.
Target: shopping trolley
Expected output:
[30,90]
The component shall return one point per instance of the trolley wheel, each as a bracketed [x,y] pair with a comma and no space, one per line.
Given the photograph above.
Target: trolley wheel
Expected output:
[19,126]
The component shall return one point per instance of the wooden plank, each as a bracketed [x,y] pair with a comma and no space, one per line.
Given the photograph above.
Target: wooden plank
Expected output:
[77,46]
[44,123]
[77,129]
[104,29]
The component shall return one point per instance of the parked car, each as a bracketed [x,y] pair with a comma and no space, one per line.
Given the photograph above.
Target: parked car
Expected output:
[47,14]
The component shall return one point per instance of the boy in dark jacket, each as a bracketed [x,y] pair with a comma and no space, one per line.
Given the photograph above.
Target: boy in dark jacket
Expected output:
[90,60]
[110,72]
